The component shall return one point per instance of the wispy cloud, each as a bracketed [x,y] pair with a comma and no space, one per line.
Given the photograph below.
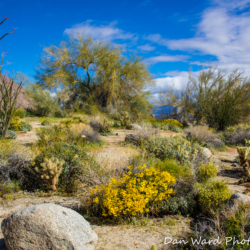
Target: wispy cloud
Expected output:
[221,33]
[146,47]
[107,32]
[165,58]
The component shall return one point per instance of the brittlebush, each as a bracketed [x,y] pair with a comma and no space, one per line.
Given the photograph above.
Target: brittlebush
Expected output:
[134,194]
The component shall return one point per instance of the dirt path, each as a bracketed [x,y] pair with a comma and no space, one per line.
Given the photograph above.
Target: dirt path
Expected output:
[229,170]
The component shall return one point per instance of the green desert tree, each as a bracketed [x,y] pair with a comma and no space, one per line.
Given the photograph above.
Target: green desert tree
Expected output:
[43,102]
[8,33]
[9,91]
[88,71]
[216,98]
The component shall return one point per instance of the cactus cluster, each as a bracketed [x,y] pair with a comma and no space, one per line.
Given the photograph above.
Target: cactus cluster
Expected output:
[51,169]
[243,153]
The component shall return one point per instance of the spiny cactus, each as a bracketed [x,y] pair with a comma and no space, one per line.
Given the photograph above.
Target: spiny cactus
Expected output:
[153,248]
[243,153]
[51,169]
[124,118]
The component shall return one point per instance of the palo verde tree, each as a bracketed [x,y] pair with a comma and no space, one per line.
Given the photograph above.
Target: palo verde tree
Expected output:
[9,91]
[96,73]
[8,33]
[216,98]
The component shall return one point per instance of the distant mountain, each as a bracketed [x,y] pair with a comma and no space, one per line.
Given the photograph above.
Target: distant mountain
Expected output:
[163,110]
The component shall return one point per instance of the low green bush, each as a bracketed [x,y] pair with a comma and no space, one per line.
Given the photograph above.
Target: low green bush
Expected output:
[174,168]
[9,188]
[45,123]
[213,195]
[76,166]
[173,147]
[206,171]
[11,134]
[60,113]
[21,113]
[26,127]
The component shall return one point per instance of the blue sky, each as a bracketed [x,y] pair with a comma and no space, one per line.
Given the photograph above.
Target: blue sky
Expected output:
[172,36]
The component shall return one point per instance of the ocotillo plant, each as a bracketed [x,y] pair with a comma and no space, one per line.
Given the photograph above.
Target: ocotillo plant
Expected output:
[51,169]
[8,33]
[243,153]
[8,100]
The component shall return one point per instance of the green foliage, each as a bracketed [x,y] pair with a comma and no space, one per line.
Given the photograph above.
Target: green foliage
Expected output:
[60,113]
[26,127]
[206,171]
[45,123]
[104,78]
[75,167]
[21,113]
[9,188]
[11,134]
[213,194]
[43,104]
[173,147]
[124,118]
[117,124]
[212,98]
[174,168]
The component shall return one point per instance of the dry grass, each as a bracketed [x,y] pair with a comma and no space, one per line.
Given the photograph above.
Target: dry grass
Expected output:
[114,157]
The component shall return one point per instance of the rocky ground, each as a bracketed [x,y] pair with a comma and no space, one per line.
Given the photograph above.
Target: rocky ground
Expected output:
[125,237]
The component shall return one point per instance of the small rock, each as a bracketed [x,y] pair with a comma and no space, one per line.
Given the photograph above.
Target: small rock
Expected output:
[117,133]
[134,127]
[206,152]
[234,165]
[47,226]
[238,198]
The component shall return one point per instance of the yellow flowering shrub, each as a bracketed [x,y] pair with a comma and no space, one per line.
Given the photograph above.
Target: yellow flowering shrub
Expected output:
[135,193]
[172,121]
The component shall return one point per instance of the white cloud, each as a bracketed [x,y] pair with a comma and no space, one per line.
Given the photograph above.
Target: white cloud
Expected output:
[167,58]
[108,32]
[146,47]
[222,33]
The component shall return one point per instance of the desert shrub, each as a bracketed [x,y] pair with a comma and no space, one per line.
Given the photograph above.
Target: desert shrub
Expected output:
[174,168]
[76,163]
[136,193]
[11,134]
[213,194]
[124,118]
[102,127]
[117,124]
[204,136]
[21,113]
[173,147]
[92,135]
[15,124]
[45,121]
[9,188]
[206,171]
[237,138]
[18,168]
[60,113]
[58,133]
[26,127]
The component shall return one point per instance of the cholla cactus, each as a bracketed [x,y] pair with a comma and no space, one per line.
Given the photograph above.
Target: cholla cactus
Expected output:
[51,169]
[243,153]
[124,118]
[247,142]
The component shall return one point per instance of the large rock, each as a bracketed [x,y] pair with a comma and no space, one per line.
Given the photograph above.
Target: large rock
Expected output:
[134,127]
[47,226]
[206,152]
[237,199]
